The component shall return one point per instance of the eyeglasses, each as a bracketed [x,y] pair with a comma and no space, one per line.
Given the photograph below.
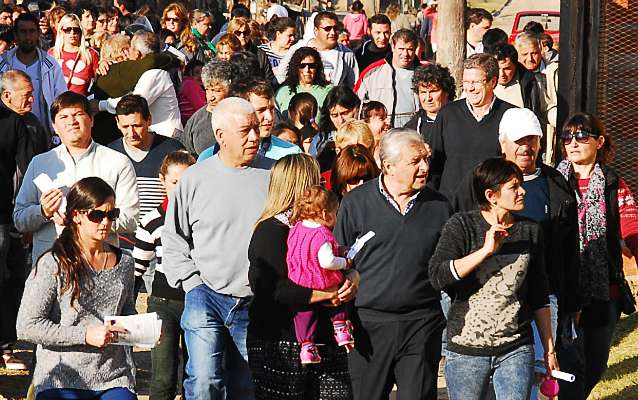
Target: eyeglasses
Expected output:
[480,83]
[97,216]
[308,65]
[102,20]
[175,19]
[580,136]
[73,29]
[329,28]
[242,33]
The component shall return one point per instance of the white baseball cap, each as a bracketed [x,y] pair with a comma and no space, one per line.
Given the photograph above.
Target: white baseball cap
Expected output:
[517,123]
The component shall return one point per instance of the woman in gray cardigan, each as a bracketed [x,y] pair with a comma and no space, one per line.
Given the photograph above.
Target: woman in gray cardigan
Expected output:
[72,288]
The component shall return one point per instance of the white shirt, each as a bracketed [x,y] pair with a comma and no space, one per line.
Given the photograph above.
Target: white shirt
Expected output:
[156,87]
[327,259]
[33,71]
[276,9]
[329,59]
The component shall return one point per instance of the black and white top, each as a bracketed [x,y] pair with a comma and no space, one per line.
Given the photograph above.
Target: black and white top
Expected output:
[493,306]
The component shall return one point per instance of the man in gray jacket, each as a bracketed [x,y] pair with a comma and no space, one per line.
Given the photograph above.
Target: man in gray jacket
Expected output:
[209,223]
[339,62]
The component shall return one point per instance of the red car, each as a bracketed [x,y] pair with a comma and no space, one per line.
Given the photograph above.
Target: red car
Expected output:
[549,19]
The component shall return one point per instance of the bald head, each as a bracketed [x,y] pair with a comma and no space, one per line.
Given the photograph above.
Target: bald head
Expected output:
[236,129]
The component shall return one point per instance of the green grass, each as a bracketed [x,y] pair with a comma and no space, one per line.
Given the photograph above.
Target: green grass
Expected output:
[489,5]
[620,382]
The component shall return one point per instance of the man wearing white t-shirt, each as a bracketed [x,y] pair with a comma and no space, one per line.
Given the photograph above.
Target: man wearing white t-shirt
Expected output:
[339,62]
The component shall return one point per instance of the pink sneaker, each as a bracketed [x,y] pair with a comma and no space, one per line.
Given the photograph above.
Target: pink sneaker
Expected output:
[309,354]
[343,333]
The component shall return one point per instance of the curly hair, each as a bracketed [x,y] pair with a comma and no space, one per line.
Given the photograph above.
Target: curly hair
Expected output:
[292,76]
[434,74]
[315,200]
[185,36]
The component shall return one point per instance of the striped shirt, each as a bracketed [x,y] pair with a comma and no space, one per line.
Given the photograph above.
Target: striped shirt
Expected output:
[273,57]
[148,247]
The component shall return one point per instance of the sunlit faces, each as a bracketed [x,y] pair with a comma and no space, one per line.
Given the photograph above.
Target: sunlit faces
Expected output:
[479,91]
[6,18]
[530,55]
[20,98]
[173,22]
[88,22]
[339,115]
[522,152]
[73,125]
[224,52]
[326,33]
[379,124]
[380,35]
[506,71]
[583,153]
[403,54]
[101,22]
[307,70]
[113,24]
[265,111]
[510,196]
[239,137]
[91,230]
[432,98]
[411,171]
[72,33]
[476,31]
[284,40]
[215,93]
[134,128]
[173,173]
[204,26]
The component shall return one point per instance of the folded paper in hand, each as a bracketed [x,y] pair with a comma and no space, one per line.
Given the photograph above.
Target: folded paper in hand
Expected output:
[358,244]
[143,329]
[44,183]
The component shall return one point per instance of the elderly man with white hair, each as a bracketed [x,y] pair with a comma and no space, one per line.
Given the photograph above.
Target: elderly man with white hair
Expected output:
[209,223]
[397,316]
[548,201]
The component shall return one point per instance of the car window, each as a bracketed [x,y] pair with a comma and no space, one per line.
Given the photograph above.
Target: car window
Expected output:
[549,22]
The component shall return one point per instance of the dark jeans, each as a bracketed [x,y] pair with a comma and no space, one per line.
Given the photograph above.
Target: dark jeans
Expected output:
[13,274]
[587,356]
[165,356]
[306,320]
[404,352]
[77,394]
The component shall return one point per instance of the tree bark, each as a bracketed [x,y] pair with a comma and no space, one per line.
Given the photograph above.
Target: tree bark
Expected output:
[451,34]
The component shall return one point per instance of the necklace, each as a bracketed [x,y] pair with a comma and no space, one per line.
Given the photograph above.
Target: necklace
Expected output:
[106,259]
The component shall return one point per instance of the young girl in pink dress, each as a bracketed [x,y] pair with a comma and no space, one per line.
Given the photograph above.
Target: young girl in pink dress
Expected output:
[313,263]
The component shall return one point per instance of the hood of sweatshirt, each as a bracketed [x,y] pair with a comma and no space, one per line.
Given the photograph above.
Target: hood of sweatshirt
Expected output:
[357,17]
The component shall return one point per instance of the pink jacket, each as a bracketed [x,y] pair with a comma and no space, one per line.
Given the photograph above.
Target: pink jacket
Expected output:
[191,98]
[356,24]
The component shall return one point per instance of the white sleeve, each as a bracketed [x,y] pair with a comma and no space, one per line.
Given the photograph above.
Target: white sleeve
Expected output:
[327,259]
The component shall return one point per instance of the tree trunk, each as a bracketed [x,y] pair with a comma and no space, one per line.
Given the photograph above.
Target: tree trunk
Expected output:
[451,34]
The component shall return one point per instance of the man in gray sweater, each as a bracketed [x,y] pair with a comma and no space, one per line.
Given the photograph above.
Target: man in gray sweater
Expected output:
[209,222]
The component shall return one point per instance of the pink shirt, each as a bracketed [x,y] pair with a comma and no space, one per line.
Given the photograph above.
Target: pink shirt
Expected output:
[191,98]
[356,24]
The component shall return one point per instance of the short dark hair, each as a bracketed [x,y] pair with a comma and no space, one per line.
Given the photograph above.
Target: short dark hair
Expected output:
[503,51]
[131,104]
[26,17]
[69,99]
[339,95]
[371,108]
[492,38]
[130,5]
[244,66]
[6,33]
[434,74]
[283,126]
[406,36]
[546,40]
[6,8]
[379,19]
[590,123]
[357,6]
[482,61]
[476,15]
[245,88]
[492,174]
[240,11]
[534,27]
[321,15]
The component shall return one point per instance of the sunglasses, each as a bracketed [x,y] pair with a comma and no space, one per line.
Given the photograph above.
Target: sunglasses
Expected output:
[308,65]
[580,136]
[329,28]
[72,29]
[242,33]
[97,216]
[167,19]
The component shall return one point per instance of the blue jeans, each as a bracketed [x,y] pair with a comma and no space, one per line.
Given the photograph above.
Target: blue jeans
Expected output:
[512,373]
[215,327]
[77,394]
[539,352]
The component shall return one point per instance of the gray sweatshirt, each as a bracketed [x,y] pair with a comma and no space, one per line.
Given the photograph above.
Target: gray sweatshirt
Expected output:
[47,319]
[209,223]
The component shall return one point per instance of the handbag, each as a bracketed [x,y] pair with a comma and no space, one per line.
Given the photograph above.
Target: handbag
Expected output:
[627,299]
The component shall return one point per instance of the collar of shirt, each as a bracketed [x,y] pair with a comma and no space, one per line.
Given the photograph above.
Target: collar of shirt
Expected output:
[77,158]
[469,106]
[390,200]
[533,176]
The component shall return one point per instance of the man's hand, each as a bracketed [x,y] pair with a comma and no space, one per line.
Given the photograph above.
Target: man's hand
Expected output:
[348,290]
[50,202]
[103,67]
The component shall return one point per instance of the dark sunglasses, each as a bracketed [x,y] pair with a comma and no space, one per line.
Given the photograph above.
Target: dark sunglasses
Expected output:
[581,136]
[72,29]
[172,19]
[97,216]
[242,33]
[309,65]
[329,28]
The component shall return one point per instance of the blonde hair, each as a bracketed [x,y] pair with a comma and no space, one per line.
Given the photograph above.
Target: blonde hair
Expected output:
[230,40]
[97,41]
[289,177]
[236,24]
[354,132]
[315,201]
[113,46]
[186,37]
[83,51]
[392,11]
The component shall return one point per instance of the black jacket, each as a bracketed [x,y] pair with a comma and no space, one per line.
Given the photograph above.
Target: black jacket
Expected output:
[562,257]
[422,124]
[15,152]
[368,53]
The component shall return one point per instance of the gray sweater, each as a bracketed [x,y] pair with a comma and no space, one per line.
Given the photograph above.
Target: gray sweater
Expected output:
[209,223]
[198,133]
[47,319]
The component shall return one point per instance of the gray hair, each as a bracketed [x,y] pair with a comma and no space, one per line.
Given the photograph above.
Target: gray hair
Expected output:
[525,38]
[216,72]
[484,62]
[230,106]
[145,42]
[10,77]
[395,141]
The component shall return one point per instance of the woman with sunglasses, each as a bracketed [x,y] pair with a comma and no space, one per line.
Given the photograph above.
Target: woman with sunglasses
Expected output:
[607,215]
[240,27]
[175,19]
[67,297]
[78,61]
[305,74]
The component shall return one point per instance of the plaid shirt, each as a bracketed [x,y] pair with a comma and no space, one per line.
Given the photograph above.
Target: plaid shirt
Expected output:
[390,200]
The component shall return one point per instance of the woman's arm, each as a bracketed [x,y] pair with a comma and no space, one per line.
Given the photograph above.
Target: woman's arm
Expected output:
[40,296]
[543,322]
[493,241]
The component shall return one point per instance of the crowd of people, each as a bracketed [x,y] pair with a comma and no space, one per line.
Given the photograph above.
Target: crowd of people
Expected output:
[314,209]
